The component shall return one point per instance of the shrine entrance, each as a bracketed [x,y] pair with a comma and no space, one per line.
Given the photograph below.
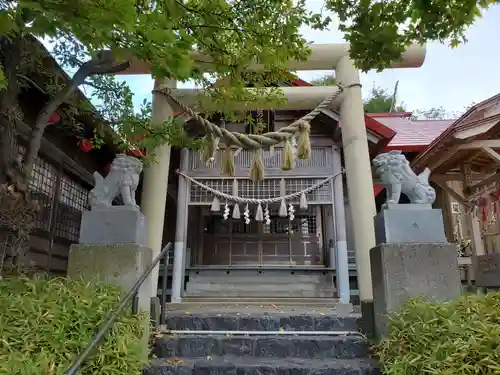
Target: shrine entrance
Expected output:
[283,225]
[281,242]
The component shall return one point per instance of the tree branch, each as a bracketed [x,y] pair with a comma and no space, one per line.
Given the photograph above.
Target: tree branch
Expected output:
[33,83]
[97,87]
[103,63]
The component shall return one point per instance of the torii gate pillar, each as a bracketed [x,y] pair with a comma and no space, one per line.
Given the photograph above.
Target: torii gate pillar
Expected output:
[155,183]
[358,173]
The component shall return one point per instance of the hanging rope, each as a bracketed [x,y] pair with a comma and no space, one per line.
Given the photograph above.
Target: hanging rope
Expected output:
[254,141]
[238,200]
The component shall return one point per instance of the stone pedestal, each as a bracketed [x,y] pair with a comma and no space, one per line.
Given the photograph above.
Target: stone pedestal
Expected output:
[409,223]
[487,270]
[113,225]
[403,271]
[119,264]
[412,259]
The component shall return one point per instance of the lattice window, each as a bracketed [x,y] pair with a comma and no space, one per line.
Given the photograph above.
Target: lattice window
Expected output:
[304,225]
[259,190]
[72,201]
[262,190]
[42,186]
[321,194]
[73,194]
[277,225]
[321,157]
[199,195]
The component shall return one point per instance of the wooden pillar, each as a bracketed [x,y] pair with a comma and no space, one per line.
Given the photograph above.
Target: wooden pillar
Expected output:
[358,173]
[180,232]
[342,257]
[477,245]
[472,221]
[329,232]
[155,184]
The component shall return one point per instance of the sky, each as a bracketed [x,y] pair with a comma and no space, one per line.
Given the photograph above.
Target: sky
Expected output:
[451,78]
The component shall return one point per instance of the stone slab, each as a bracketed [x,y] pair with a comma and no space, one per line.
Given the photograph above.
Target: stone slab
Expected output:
[404,271]
[193,346]
[260,322]
[409,223]
[487,270]
[407,206]
[229,365]
[113,225]
[119,264]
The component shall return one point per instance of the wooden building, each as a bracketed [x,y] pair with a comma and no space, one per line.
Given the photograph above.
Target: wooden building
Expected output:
[230,258]
[226,257]
[62,174]
[465,162]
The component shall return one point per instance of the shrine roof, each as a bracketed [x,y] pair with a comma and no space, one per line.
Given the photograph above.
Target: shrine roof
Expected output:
[457,144]
[413,135]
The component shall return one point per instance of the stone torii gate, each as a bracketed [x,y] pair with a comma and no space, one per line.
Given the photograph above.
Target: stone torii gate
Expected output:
[354,139]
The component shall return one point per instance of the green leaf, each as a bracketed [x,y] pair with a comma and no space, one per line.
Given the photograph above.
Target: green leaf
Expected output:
[458,337]
[3,81]
[63,316]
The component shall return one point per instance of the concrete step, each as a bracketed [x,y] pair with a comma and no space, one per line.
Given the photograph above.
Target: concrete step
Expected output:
[261,322]
[257,365]
[260,290]
[280,301]
[267,294]
[193,346]
[256,285]
[261,279]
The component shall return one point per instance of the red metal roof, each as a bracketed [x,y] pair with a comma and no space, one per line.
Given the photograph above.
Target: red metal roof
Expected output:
[390,114]
[413,135]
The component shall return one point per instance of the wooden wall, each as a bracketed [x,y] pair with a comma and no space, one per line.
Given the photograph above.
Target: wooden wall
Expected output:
[453,219]
[60,181]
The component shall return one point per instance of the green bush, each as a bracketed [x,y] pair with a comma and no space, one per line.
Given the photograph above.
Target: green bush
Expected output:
[455,338]
[45,323]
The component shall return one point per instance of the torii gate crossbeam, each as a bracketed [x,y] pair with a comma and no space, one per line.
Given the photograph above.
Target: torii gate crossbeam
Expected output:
[355,147]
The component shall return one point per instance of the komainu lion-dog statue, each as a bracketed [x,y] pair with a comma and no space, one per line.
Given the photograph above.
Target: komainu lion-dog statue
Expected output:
[397,176]
[122,179]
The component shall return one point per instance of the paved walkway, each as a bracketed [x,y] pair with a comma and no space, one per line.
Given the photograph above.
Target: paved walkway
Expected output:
[264,309]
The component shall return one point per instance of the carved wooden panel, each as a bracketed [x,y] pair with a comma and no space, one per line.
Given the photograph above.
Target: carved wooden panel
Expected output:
[269,188]
[319,163]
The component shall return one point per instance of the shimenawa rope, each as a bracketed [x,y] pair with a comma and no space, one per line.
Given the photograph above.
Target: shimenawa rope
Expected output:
[254,141]
[233,198]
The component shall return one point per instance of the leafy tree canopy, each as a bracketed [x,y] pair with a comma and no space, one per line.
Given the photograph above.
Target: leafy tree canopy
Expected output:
[95,38]
[179,37]
[328,80]
[379,31]
[381,101]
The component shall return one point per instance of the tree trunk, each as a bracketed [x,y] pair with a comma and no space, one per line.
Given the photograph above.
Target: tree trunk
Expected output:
[10,57]
[17,214]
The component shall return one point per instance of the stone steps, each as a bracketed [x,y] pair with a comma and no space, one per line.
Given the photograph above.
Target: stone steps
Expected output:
[260,343]
[261,283]
[261,290]
[199,346]
[258,366]
[256,322]
[268,293]
[234,278]
[278,301]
